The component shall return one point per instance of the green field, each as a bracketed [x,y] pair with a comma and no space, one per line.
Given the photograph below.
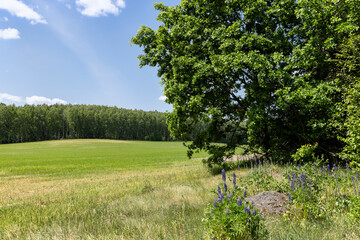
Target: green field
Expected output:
[101,189]
[105,189]
[76,158]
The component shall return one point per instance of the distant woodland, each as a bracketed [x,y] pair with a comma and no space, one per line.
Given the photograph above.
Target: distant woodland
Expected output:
[37,123]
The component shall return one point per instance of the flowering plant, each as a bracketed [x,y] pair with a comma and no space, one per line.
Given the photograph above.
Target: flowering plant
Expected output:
[231,216]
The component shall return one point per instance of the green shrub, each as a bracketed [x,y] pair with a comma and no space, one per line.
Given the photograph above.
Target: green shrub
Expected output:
[306,153]
[232,217]
[355,207]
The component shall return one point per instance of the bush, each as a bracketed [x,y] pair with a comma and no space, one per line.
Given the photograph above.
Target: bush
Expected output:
[306,153]
[232,217]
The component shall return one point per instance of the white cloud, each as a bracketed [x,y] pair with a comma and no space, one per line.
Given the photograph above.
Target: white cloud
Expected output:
[37,100]
[6,19]
[120,3]
[9,33]
[20,9]
[7,98]
[96,8]
[162,98]
[68,6]
[34,100]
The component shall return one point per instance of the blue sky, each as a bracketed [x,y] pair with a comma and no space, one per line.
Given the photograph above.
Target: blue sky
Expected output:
[77,52]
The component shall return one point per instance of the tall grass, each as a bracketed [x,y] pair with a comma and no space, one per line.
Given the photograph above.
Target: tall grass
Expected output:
[106,190]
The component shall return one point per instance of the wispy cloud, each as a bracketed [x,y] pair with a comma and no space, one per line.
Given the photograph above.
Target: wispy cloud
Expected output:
[9,33]
[71,33]
[20,9]
[96,8]
[66,2]
[162,98]
[34,100]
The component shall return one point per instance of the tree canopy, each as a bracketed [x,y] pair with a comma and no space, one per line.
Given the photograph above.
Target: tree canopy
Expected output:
[275,64]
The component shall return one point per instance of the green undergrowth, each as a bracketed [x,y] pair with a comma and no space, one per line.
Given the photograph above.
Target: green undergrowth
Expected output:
[323,202]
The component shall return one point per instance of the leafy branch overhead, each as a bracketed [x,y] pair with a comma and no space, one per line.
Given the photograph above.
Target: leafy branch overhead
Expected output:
[271,64]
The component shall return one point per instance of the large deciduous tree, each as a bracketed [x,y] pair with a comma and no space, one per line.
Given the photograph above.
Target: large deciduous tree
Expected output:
[271,63]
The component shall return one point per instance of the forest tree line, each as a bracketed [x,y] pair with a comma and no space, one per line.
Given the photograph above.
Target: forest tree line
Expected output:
[43,122]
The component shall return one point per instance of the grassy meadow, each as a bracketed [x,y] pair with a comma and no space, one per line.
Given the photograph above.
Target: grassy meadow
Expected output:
[105,189]
[101,189]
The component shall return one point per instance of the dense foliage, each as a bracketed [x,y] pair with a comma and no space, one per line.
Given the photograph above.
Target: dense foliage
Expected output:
[43,122]
[349,64]
[276,64]
[317,194]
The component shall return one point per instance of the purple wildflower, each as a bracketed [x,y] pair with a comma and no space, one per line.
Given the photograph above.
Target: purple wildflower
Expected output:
[254,212]
[303,179]
[292,185]
[289,197]
[335,192]
[288,176]
[245,193]
[223,175]
[335,168]
[252,203]
[239,202]
[234,180]
[219,192]
[225,187]
[215,201]
[221,197]
[247,210]
[328,167]
[260,214]
[239,167]
[227,212]
[230,195]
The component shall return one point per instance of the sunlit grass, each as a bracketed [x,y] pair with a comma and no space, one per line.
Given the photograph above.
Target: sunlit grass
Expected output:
[85,189]
[99,189]
[80,157]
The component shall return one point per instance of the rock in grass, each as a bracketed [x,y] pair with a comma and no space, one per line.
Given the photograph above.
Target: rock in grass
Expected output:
[270,202]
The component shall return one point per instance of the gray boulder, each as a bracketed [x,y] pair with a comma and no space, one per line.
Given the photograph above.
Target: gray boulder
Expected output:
[270,202]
